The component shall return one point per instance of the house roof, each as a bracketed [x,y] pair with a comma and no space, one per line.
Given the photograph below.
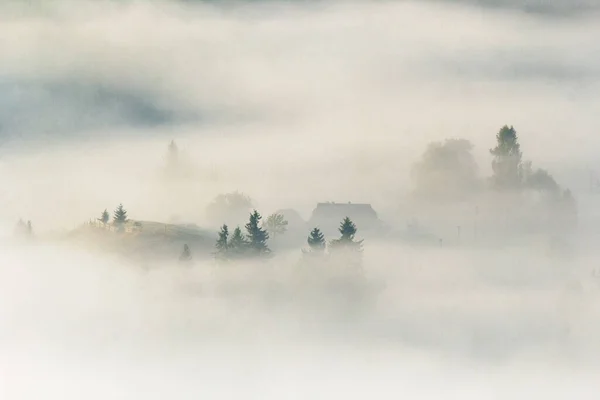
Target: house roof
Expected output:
[337,210]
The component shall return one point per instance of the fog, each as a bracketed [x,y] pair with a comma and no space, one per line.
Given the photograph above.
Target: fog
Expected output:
[294,104]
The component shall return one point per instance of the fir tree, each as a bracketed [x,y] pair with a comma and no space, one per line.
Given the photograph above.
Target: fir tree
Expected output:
[222,244]
[238,244]
[29,229]
[316,241]
[316,246]
[347,230]
[104,217]
[346,251]
[120,215]
[507,164]
[186,255]
[257,236]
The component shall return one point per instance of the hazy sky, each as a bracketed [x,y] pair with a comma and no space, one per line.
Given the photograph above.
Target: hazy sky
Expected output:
[292,103]
[352,88]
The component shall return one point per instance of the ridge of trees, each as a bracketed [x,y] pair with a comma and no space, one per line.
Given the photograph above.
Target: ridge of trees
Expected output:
[252,244]
[448,169]
[345,250]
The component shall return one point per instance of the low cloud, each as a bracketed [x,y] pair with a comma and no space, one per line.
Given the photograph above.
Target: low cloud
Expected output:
[292,104]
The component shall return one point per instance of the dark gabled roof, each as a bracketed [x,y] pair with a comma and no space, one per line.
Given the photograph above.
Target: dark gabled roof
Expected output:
[352,210]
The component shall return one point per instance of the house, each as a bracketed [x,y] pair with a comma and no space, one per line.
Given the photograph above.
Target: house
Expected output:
[328,216]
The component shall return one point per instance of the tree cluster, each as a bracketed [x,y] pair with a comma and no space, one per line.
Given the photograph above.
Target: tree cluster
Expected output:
[448,171]
[511,173]
[119,217]
[229,207]
[253,243]
[239,245]
[345,249]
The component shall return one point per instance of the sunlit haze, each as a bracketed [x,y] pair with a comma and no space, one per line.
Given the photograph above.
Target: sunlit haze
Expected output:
[460,138]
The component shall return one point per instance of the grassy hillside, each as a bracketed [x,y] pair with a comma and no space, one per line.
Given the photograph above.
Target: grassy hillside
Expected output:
[149,240]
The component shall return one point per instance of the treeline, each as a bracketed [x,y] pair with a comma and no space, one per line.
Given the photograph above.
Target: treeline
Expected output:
[119,216]
[253,244]
[448,171]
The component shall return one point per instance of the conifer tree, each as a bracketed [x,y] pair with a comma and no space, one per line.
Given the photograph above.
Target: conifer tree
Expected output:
[346,250]
[316,247]
[316,241]
[347,230]
[222,244]
[257,236]
[186,255]
[120,215]
[104,217]
[238,244]
[507,164]
[29,229]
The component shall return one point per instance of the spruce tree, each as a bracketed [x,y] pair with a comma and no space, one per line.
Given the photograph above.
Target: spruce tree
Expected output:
[346,251]
[238,244]
[507,164]
[186,255]
[222,244]
[104,217]
[257,236]
[316,241]
[29,229]
[120,215]
[316,247]
[347,230]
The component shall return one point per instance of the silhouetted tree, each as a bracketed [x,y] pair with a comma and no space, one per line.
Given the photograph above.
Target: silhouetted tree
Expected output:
[29,229]
[257,236]
[186,255]
[446,170]
[222,244]
[347,230]
[276,224]
[316,241]
[507,166]
[120,215]
[540,180]
[346,251]
[230,208]
[316,246]
[238,244]
[104,217]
